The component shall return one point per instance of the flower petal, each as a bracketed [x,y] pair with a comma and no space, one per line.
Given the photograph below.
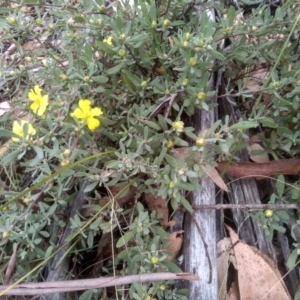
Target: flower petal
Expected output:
[85,105]
[35,106]
[41,110]
[95,112]
[77,113]
[93,123]
[35,93]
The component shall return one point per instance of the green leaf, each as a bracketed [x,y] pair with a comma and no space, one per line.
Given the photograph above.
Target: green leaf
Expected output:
[88,52]
[231,16]
[39,152]
[244,125]
[91,187]
[115,69]
[48,252]
[186,204]
[152,124]
[280,184]
[171,266]
[105,47]
[9,157]
[100,79]
[125,239]
[267,122]
[292,259]
[217,55]
[7,133]
[171,160]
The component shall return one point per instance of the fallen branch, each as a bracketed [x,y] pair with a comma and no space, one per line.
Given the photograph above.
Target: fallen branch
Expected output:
[247,206]
[85,284]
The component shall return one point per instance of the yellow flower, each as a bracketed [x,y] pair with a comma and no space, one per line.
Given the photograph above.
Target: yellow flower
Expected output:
[85,112]
[40,102]
[19,130]
[178,126]
[108,40]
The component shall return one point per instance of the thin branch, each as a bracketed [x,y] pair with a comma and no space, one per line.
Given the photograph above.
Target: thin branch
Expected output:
[247,206]
[85,284]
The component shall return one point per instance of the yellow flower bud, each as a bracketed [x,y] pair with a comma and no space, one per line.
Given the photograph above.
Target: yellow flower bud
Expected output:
[268,213]
[50,26]
[166,22]
[193,61]
[162,287]
[67,152]
[187,36]
[201,96]
[169,144]
[298,83]
[65,162]
[185,82]
[27,200]
[12,73]
[143,84]
[275,84]
[228,30]
[167,92]
[122,37]
[11,20]
[154,260]
[171,184]
[154,24]
[178,126]
[200,141]
[122,52]
[6,234]
[100,21]
[86,79]
[185,44]
[38,21]
[63,77]
[28,59]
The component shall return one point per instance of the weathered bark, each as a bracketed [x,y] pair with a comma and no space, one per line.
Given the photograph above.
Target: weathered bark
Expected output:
[200,230]
[246,191]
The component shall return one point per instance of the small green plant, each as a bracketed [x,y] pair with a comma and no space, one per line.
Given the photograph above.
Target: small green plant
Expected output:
[89,103]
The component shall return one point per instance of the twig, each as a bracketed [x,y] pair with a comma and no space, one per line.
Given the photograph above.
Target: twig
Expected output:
[246,206]
[167,102]
[85,284]
[205,247]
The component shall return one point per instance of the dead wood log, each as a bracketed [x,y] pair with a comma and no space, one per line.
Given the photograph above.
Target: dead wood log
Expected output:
[245,191]
[58,267]
[200,229]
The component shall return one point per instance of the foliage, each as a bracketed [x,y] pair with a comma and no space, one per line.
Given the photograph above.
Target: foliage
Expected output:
[89,99]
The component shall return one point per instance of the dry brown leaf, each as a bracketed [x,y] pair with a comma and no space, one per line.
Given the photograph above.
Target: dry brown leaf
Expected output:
[159,205]
[223,251]
[176,240]
[258,158]
[256,279]
[215,177]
